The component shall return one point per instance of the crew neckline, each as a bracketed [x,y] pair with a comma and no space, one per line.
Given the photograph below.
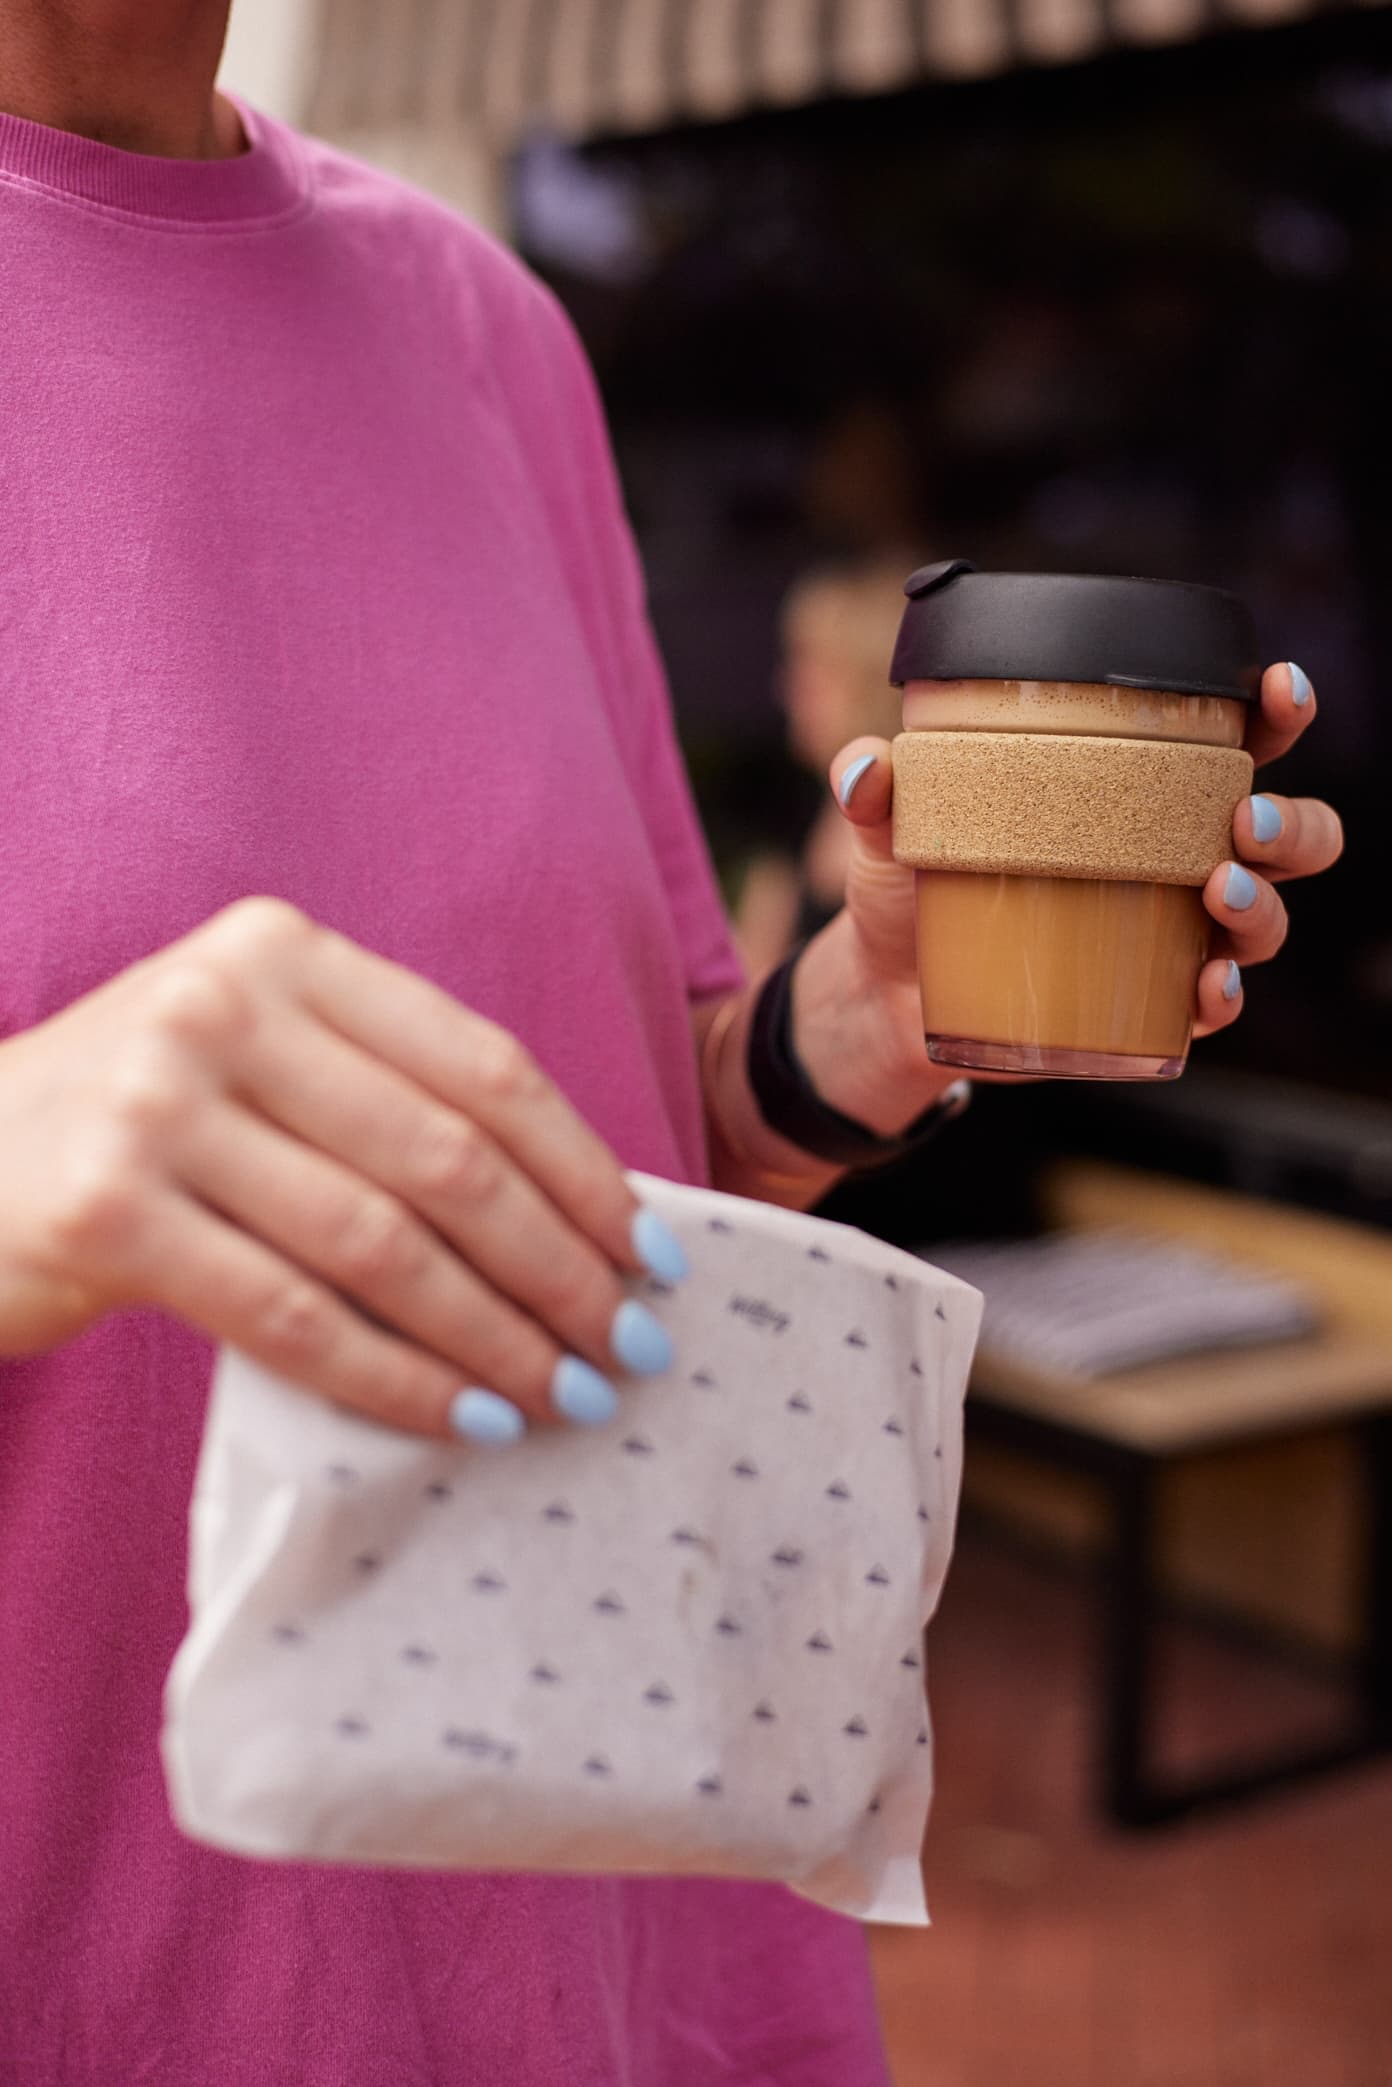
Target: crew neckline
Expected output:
[268,180]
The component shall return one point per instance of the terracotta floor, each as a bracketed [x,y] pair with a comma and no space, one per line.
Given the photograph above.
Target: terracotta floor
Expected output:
[1250,1950]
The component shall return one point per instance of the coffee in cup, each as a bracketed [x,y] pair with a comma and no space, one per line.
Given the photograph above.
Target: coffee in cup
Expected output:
[1064,785]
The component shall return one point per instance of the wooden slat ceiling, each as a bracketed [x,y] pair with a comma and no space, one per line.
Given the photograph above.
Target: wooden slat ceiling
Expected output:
[586,67]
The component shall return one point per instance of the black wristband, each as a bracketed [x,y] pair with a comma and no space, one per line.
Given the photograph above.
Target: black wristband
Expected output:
[791,1105]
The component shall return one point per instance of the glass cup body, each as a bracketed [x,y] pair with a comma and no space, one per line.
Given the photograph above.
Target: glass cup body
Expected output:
[1075,977]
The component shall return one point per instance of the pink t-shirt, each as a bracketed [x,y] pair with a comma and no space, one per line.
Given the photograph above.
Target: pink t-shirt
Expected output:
[314,580]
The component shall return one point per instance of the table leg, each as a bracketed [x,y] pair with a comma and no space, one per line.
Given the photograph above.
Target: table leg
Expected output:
[1377,1647]
[1132,1794]
[1128,1640]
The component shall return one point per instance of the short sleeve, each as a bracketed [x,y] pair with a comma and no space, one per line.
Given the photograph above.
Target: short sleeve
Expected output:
[669,812]
[555,406]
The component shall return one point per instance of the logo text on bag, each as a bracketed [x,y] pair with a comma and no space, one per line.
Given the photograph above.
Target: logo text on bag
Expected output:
[759,1313]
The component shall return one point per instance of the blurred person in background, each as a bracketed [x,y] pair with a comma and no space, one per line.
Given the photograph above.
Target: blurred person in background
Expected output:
[837,627]
[315,584]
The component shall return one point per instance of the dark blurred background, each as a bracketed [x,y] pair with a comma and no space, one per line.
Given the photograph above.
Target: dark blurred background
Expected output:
[1133,315]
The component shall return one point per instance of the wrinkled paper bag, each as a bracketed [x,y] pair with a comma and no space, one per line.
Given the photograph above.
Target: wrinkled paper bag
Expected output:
[689,1643]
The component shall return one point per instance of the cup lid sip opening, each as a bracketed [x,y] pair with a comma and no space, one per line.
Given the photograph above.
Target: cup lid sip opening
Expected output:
[962,624]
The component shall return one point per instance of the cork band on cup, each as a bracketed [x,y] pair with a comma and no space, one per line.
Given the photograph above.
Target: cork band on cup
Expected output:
[1064,805]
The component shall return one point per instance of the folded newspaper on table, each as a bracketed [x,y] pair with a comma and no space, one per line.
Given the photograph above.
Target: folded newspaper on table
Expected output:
[1090,1302]
[690,1643]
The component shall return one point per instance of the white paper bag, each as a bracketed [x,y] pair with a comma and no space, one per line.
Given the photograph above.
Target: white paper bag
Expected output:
[689,1643]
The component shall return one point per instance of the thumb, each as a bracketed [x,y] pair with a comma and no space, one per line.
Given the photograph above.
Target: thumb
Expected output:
[862,780]
[879,890]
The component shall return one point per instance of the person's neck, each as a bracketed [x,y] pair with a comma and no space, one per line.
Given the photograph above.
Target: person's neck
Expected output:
[134,73]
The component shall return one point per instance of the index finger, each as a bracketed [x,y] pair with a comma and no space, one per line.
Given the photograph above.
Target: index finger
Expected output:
[481,1070]
[1287,708]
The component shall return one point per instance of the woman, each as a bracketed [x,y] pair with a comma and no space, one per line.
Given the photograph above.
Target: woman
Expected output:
[314,583]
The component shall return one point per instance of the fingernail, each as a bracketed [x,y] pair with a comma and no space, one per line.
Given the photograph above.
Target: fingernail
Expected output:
[1232,981]
[582,1394]
[1240,891]
[639,1341]
[658,1248]
[1301,690]
[1266,819]
[846,787]
[484,1417]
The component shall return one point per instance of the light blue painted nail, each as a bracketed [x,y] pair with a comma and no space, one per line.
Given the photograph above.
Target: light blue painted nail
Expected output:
[582,1394]
[1232,981]
[1240,891]
[658,1248]
[852,776]
[1266,819]
[639,1341]
[1301,690]
[484,1417]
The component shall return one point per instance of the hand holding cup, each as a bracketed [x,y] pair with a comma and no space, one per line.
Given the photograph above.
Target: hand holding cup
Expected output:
[1273,840]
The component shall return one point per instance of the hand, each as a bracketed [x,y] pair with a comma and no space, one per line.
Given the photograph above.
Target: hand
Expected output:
[307,1151]
[1251,920]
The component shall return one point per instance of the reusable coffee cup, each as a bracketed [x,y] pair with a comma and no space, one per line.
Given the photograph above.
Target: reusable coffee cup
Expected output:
[1064,785]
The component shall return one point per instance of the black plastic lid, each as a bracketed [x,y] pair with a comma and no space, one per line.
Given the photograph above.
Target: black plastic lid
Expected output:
[965,625]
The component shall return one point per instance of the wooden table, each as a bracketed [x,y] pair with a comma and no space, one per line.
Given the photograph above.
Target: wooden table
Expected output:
[1124,1431]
